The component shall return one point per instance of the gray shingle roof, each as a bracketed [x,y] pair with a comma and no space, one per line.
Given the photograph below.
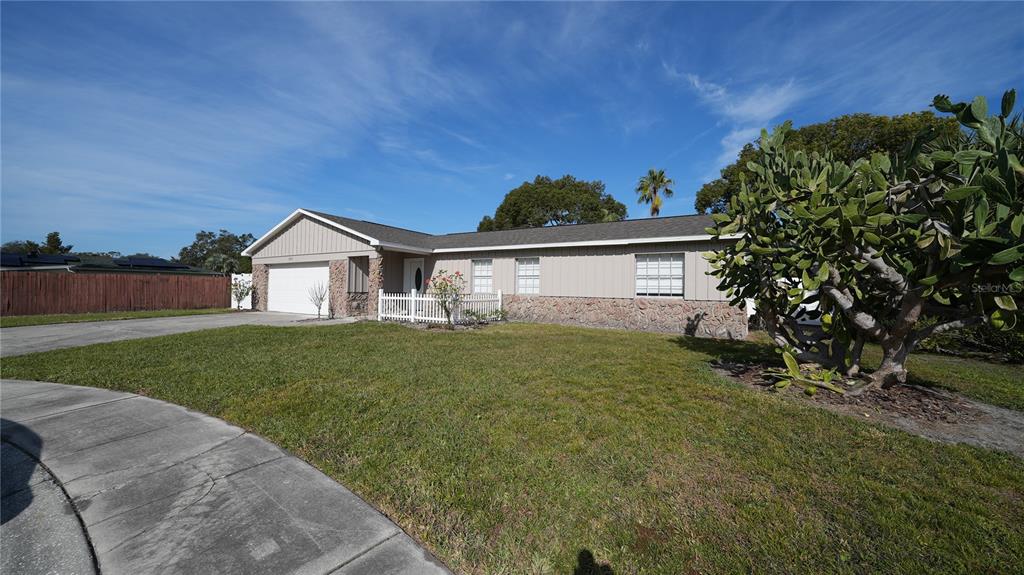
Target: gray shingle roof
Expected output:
[381,232]
[625,230]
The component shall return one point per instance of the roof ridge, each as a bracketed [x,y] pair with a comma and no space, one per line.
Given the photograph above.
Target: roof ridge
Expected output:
[575,225]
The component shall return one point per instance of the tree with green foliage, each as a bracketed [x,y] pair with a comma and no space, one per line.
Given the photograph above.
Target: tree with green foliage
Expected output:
[848,138]
[547,202]
[20,247]
[51,245]
[223,243]
[221,263]
[881,242]
[652,187]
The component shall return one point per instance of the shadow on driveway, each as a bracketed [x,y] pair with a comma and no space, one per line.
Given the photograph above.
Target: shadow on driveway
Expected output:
[19,455]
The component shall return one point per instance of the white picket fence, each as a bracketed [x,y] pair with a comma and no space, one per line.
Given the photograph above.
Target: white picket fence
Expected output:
[424,307]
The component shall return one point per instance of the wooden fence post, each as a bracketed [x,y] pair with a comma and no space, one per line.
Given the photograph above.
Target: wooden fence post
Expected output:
[380,304]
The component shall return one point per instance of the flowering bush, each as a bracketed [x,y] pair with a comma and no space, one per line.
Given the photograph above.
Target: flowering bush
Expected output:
[447,289]
[240,289]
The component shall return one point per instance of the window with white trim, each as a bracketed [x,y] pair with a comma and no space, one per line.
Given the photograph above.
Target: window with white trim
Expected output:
[659,274]
[483,276]
[527,275]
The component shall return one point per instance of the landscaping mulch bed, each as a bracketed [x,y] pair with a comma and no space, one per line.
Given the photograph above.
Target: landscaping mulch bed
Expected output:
[935,414]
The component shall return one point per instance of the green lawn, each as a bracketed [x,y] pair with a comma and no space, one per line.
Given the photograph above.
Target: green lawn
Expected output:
[516,448]
[23,320]
[995,383]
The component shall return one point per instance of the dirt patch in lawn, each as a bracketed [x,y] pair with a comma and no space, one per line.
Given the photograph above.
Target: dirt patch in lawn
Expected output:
[934,414]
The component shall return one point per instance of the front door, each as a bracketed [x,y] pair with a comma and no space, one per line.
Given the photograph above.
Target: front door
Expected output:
[412,278]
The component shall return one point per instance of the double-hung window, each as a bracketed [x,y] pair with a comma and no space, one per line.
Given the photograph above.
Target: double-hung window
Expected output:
[483,276]
[659,275]
[527,275]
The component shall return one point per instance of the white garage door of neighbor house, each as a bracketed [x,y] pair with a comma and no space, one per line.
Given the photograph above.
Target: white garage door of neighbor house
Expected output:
[288,287]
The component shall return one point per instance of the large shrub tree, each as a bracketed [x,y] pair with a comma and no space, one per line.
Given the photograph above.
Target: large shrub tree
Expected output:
[881,242]
[847,138]
[223,243]
[548,202]
[53,244]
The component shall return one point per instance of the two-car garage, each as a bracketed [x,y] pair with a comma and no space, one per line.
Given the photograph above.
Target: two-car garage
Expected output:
[288,286]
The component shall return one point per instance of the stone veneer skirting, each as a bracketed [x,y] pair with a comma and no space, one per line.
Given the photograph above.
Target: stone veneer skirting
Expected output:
[357,304]
[699,318]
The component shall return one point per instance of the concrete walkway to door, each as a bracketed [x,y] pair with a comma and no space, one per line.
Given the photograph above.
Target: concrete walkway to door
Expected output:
[30,339]
[97,480]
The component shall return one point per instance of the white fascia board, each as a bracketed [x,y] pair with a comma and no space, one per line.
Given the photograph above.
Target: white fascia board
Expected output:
[405,248]
[296,215]
[622,242]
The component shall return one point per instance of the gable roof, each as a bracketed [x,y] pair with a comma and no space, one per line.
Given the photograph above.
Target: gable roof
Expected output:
[647,230]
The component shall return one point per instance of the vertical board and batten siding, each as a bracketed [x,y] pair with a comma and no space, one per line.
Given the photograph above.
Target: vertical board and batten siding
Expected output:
[594,271]
[34,293]
[306,237]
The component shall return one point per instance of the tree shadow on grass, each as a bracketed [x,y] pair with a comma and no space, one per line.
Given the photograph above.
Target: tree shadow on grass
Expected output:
[586,564]
[731,350]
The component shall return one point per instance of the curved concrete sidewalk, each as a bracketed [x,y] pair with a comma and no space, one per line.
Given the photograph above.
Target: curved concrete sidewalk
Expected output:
[159,488]
[33,338]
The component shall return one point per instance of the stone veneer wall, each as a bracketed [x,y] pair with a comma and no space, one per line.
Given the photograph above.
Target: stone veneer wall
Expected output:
[260,280]
[338,270]
[699,318]
[358,303]
[375,284]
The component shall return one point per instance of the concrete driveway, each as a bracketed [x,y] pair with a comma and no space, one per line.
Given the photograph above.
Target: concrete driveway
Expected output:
[29,339]
[103,481]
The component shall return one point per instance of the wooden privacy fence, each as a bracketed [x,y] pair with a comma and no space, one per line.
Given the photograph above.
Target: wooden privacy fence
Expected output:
[424,307]
[33,293]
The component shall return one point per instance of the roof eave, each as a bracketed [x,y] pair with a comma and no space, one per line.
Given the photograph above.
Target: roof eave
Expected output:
[589,243]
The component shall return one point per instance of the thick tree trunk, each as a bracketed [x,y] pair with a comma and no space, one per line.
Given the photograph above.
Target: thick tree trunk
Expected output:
[893,370]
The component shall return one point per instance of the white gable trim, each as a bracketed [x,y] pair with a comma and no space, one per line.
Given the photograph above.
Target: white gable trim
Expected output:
[621,242]
[295,216]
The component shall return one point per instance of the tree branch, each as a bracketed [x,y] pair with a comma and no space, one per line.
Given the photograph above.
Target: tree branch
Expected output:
[844,300]
[947,326]
[888,273]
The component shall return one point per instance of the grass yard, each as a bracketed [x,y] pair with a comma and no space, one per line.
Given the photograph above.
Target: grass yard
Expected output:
[522,448]
[994,383]
[23,320]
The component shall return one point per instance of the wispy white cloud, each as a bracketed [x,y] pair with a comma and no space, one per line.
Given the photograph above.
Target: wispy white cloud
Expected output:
[744,111]
[130,155]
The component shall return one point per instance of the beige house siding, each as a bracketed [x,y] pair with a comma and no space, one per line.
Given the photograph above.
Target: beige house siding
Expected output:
[596,271]
[394,266]
[307,240]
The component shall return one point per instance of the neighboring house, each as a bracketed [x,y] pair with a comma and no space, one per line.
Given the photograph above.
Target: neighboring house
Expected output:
[36,262]
[646,274]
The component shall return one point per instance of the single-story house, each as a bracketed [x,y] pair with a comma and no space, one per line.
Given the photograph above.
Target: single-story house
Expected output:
[646,274]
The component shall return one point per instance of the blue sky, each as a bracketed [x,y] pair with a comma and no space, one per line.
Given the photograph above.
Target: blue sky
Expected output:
[130,126]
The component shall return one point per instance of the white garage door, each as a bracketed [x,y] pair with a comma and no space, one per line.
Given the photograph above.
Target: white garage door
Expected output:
[289,284]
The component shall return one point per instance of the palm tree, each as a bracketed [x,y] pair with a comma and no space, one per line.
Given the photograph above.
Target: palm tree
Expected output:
[649,186]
